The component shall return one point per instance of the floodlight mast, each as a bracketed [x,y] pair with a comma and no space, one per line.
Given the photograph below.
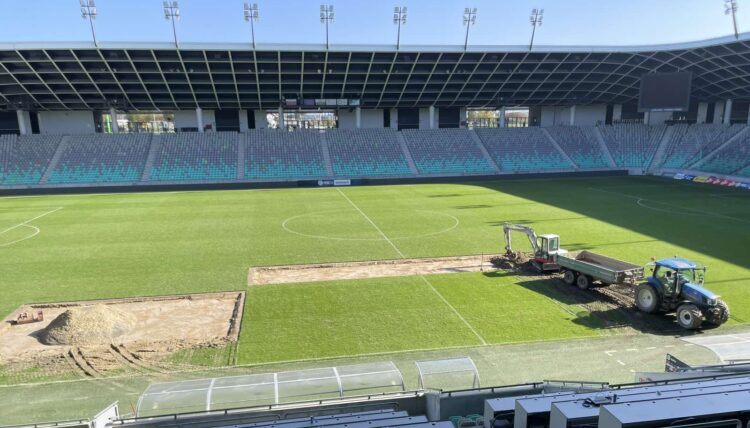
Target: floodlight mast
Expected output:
[399,18]
[730,8]
[326,17]
[252,16]
[536,18]
[88,11]
[172,13]
[470,18]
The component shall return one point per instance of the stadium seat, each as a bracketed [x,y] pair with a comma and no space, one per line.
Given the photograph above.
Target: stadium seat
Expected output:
[102,158]
[732,159]
[580,145]
[194,156]
[366,153]
[446,151]
[522,150]
[632,145]
[279,155]
[25,158]
[689,144]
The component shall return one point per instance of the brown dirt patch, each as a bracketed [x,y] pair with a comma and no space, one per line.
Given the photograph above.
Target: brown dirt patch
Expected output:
[369,269]
[161,325]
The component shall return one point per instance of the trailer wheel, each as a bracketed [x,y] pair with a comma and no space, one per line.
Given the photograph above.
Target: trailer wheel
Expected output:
[719,314]
[583,282]
[689,316]
[646,298]
[569,277]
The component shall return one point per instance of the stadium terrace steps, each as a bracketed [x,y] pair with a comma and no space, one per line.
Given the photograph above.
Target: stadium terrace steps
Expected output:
[485,153]
[605,150]
[279,155]
[152,151]
[241,161]
[366,153]
[522,150]
[559,149]
[446,151]
[326,155]
[661,149]
[55,160]
[99,158]
[632,145]
[407,153]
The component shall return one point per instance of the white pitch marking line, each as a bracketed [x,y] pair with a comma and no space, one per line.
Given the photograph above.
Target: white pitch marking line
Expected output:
[620,363]
[651,347]
[455,311]
[372,223]
[632,350]
[694,211]
[669,346]
[609,353]
[30,220]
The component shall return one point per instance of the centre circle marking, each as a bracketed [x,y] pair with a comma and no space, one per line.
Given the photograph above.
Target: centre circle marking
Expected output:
[285,225]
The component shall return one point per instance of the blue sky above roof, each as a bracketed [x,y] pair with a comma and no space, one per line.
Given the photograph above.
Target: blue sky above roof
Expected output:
[430,22]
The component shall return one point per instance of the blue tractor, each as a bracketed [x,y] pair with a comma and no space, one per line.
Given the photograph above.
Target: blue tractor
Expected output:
[676,285]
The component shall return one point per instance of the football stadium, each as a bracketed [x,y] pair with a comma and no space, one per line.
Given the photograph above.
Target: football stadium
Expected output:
[333,233]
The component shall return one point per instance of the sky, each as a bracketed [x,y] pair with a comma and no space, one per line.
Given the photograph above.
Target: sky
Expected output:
[429,22]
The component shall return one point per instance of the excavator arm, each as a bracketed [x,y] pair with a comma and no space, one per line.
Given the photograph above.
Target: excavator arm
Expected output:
[510,227]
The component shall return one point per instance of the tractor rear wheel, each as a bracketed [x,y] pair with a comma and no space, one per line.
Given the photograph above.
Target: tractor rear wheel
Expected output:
[646,298]
[583,282]
[719,314]
[569,277]
[689,316]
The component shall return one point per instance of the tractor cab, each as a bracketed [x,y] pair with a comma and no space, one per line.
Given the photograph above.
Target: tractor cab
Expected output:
[676,276]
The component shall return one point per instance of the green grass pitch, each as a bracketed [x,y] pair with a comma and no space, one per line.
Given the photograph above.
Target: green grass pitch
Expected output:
[119,245]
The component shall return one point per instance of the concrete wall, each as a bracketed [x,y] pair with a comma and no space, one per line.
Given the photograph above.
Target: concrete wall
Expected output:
[659,117]
[702,113]
[589,115]
[719,112]
[369,118]
[617,112]
[26,121]
[66,122]
[424,118]
[555,116]
[188,119]
[243,121]
[261,122]
[394,118]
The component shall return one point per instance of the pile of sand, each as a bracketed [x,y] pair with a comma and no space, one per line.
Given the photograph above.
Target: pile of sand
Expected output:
[87,325]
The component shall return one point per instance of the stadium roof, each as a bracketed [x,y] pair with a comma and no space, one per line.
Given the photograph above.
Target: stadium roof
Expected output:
[158,76]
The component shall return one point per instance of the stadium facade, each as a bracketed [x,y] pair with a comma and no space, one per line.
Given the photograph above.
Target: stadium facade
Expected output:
[64,88]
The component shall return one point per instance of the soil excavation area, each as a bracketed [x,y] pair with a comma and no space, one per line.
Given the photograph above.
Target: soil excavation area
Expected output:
[155,325]
[368,269]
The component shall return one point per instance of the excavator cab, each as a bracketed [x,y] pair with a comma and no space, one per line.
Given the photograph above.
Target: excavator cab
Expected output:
[547,246]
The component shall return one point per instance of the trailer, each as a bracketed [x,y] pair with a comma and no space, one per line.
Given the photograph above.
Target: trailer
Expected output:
[583,268]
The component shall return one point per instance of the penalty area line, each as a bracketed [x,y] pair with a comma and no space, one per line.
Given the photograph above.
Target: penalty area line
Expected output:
[426,281]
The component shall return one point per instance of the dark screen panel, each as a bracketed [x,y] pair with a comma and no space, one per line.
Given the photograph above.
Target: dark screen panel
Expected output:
[665,91]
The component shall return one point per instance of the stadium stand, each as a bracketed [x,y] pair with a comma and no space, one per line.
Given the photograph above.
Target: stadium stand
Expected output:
[99,158]
[690,143]
[731,159]
[522,150]
[580,145]
[446,151]
[271,154]
[366,153]
[25,158]
[196,156]
[632,145]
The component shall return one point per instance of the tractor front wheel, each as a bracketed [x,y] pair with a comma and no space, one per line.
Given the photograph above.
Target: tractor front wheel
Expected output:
[569,277]
[719,314]
[646,298]
[689,316]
